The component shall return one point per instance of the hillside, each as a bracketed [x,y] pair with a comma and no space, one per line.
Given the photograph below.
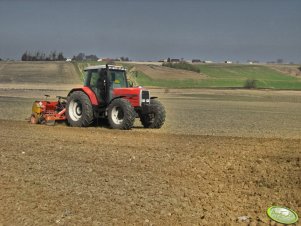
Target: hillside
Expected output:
[219,76]
[33,75]
[44,74]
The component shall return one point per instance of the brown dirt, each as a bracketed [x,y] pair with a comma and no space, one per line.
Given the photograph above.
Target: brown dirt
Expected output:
[160,72]
[20,73]
[222,154]
[95,176]
[293,70]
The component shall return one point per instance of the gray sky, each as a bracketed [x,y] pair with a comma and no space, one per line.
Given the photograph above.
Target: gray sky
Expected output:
[153,29]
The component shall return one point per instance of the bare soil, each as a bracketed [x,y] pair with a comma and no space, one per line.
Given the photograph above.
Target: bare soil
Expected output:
[160,72]
[20,73]
[293,70]
[221,155]
[96,176]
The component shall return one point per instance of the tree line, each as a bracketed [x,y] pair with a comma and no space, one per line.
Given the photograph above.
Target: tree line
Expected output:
[83,56]
[182,65]
[41,56]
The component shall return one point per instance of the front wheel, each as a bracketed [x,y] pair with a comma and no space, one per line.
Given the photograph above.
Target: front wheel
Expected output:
[156,117]
[121,114]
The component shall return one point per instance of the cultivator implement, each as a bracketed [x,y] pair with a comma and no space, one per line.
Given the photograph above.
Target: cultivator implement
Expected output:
[48,112]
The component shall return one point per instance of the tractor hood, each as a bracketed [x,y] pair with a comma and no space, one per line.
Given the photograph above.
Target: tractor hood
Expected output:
[135,95]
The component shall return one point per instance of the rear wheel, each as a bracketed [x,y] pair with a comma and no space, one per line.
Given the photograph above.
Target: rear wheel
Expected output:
[121,114]
[79,110]
[156,117]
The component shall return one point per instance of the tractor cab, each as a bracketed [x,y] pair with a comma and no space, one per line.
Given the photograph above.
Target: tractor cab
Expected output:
[102,80]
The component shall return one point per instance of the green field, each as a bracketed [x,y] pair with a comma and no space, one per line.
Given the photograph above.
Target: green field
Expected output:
[238,74]
[229,76]
[217,76]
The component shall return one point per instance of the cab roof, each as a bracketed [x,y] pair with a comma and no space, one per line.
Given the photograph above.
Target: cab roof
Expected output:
[111,67]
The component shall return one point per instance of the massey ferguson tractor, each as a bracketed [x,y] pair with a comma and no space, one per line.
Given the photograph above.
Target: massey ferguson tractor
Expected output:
[105,95]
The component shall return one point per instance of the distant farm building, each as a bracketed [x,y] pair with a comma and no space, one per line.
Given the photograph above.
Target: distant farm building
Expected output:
[106,59]
[228,62]
[253,62]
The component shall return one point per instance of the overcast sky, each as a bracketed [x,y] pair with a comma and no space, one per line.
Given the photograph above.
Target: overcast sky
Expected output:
[153,29]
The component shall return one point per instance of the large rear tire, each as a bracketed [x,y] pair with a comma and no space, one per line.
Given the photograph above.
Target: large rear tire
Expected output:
[121,114]
[156,117]
[79,110]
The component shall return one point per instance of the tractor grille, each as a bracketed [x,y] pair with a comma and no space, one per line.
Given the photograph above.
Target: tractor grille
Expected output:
[145,97]
[145,94]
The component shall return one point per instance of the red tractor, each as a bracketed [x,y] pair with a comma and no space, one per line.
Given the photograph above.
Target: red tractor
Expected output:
[106,94]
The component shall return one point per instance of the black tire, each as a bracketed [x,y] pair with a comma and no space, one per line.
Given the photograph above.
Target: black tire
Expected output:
[121,114]
[79,110]
[156,118]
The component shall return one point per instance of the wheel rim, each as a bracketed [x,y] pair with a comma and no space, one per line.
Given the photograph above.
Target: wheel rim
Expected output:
[117,115]
[75,110]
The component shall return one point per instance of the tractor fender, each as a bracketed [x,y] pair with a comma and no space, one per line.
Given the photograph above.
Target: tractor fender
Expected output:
[117,97]
[88,92]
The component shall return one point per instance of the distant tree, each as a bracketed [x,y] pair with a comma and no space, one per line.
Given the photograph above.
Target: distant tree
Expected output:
[79,57]
[41,56]
[0,59]
[38,55]
[168,60]
[250,84]
[24,56]
[91,57]
[279,61]
[124,58]
[182,65]
[61,57]
[53,55]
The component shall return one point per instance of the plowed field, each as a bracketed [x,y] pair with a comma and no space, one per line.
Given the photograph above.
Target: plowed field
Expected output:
[96,176]
[222,158]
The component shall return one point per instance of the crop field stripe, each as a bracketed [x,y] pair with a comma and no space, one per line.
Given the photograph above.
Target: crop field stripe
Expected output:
[228,77]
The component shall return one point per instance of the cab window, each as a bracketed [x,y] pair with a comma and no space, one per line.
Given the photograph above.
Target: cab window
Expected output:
[118,79]
[96,83]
